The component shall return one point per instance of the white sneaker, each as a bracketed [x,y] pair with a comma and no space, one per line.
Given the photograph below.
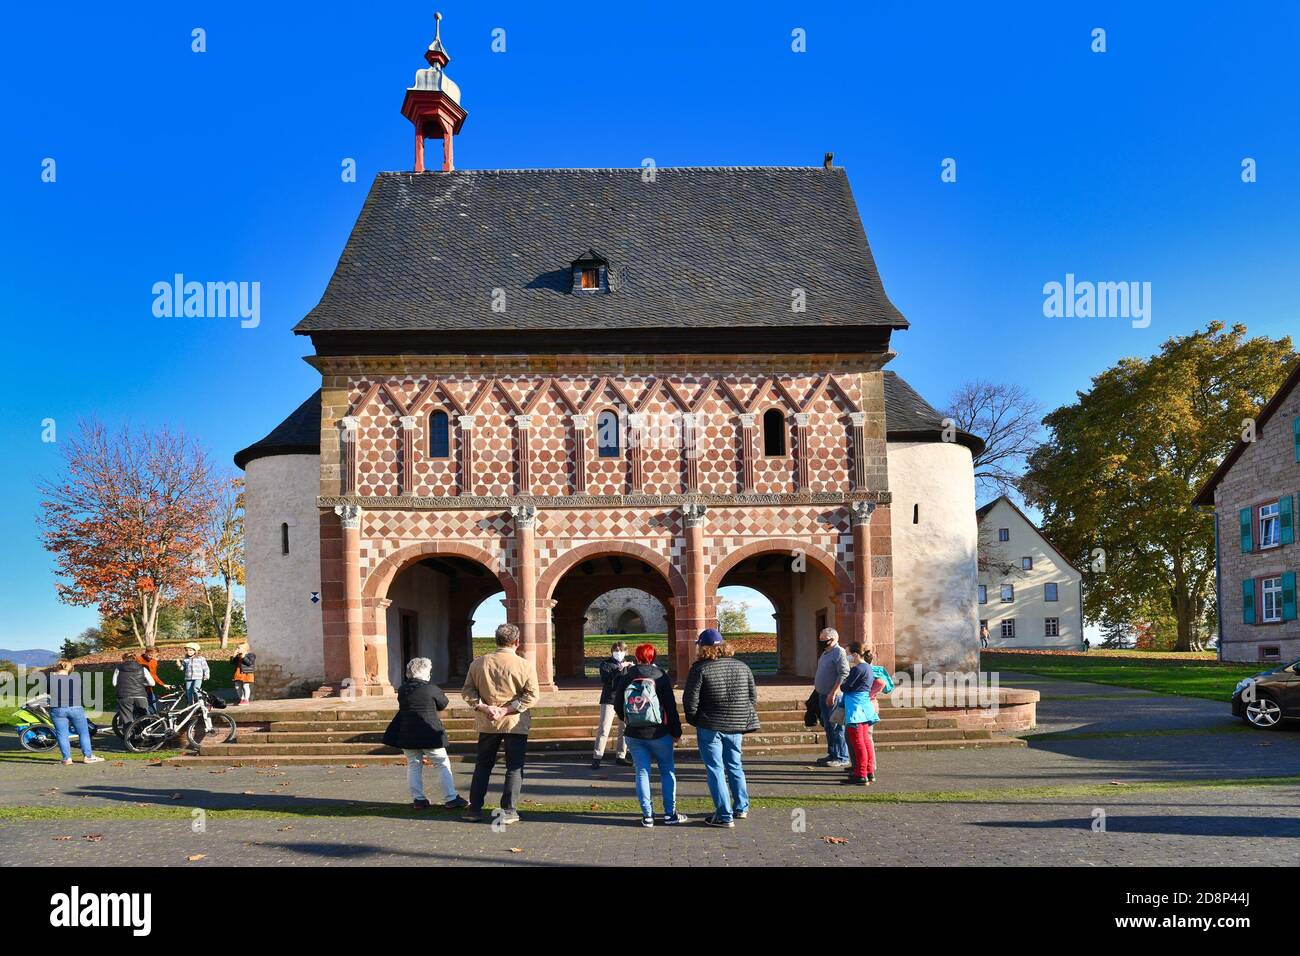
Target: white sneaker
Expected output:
[94,758]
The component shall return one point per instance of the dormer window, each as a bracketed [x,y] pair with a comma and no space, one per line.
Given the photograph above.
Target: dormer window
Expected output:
[590,274]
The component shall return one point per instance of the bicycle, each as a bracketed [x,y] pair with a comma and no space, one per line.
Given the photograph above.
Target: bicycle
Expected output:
[195,720]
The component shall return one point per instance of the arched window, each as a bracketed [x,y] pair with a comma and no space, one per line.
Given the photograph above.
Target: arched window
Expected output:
[773,433]
[439,436]
[607,434]
[284,538]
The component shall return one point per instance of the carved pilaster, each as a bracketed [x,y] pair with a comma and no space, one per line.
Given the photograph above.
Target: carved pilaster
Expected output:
[408,453]
[581,424]
[466,423]
[522,425]
[691,451]
[858,422]
[747,426]
[348,435]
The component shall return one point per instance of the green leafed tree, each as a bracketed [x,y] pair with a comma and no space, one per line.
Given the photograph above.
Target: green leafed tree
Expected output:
[1116,477]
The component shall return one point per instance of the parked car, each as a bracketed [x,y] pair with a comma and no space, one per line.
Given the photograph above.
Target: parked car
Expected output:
[1269,698]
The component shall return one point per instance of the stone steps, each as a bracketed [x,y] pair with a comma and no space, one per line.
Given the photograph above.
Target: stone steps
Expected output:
[242,758]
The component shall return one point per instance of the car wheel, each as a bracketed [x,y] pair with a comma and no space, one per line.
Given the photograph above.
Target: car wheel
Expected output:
[1263,712]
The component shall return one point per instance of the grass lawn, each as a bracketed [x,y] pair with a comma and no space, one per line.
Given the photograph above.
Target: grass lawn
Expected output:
[755,653]
[1195,677]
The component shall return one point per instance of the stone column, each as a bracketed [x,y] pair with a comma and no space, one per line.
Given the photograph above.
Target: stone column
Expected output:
[803,464]
[522,424]
[466,423]
[375,611]
[636,450]
[691,452]
[697,598]
[535,643]
[350,519]
[348,473]
[580,425]
[858,421]
[408,454]
[860,516]
[747,423]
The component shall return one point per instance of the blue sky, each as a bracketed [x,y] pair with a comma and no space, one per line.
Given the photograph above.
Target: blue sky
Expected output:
[225,165]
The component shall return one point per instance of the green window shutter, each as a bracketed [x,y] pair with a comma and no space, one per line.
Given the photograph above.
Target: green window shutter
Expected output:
[1247,530]
[1248,601]
[1288,596]
[1295,427]
[1284,519]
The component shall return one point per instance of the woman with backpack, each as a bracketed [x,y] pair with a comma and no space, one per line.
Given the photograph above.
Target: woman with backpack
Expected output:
[245,662]
[643,698]
[860,690]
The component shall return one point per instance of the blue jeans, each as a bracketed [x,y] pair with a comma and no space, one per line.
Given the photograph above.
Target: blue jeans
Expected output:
[659,750]
[837,747]
[192,688]
[62,716]
[721,755]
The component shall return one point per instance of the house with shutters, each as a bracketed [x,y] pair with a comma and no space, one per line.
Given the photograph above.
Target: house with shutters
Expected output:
[1029,595]
[1254,497]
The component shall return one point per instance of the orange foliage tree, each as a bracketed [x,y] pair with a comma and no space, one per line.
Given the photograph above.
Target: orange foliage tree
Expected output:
[126,522]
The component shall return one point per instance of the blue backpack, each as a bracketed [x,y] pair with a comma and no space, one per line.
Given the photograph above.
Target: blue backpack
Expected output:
[641,706]
[879,673]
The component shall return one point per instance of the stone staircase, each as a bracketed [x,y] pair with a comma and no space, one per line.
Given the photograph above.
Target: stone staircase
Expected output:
[354,736]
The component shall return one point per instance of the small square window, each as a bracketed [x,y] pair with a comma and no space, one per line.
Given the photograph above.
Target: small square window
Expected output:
[984,593]
[1270,525]
[1026,564]
[1008,593]
[1051,627]
[1270,653]
[1008,628]
[1049,591]
[591,278]
[1004,534]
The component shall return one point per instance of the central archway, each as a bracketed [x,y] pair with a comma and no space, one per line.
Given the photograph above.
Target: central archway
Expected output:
[581,575]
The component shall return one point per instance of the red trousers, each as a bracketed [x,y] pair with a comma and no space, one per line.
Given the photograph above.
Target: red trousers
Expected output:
[862,749]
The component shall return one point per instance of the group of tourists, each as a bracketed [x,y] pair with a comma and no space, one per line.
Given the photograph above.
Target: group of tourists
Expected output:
[137,685]
[719,698]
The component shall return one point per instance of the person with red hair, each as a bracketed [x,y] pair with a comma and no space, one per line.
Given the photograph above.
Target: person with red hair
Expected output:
[645,703]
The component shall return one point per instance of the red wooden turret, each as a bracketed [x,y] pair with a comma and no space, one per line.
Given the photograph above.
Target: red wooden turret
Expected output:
[432,103]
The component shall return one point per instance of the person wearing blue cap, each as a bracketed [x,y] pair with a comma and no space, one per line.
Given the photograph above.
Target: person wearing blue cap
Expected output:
[721,702]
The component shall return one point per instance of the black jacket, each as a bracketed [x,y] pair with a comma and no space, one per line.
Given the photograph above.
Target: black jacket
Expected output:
[667,702]
[417,725]
[131,681]
[611,672]
[245,662]
[720,695]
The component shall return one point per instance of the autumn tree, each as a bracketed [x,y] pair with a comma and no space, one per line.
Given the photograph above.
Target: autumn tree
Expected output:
[1008,419]
[1116,476]
[126,521]
[223,554]
[733,616]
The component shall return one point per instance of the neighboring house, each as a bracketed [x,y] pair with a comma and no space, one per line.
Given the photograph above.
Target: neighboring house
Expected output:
[1253,494]
[1029,594]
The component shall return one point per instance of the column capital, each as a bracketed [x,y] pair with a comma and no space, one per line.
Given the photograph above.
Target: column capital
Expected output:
[694,514]
[523,421]
[857,419]
[862,511]
[408,422]
[747,420]
[801,419]
[350,515]
[466,422]
[349,423]
[524,515]
[689,419]
[635,419]
[581,421]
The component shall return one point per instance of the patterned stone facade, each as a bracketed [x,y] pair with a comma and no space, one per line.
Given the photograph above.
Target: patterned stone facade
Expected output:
[686,497]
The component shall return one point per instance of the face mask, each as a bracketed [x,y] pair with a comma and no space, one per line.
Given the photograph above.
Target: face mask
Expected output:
[619,655]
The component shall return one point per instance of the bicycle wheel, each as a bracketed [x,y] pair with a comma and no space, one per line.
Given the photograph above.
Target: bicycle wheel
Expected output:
[119,725]
[223,730]
[37,738]
[146,734]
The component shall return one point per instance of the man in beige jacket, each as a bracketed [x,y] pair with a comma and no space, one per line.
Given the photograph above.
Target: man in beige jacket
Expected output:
[500,686]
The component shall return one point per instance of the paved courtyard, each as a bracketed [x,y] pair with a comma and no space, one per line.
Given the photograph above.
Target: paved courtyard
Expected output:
[1112,777]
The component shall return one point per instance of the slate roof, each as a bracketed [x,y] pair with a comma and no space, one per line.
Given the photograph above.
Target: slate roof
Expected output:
[299,434]
[713,247]
[909,417]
